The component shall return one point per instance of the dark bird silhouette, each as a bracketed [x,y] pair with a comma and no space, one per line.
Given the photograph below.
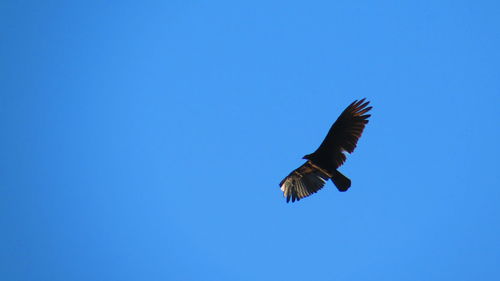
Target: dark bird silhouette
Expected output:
[322,164]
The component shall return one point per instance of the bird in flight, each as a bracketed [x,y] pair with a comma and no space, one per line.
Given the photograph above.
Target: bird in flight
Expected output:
[323,163]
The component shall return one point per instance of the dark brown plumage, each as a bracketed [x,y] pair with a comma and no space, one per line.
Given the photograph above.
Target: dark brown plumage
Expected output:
[322,164]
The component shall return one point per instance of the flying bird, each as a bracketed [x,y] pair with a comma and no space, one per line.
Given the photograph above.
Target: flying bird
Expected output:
[323,163]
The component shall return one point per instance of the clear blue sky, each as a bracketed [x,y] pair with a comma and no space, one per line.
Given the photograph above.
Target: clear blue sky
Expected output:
[146,140]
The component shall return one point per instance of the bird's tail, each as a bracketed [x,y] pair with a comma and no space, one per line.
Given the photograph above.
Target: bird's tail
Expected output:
[341,182]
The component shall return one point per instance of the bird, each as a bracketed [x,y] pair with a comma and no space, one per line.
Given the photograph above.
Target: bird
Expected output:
[323,164]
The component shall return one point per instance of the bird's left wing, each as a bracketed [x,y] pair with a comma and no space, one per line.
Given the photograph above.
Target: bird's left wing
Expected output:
[303,181]
[345,132]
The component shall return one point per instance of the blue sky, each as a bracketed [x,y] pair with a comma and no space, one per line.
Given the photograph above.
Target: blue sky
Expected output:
[146,141]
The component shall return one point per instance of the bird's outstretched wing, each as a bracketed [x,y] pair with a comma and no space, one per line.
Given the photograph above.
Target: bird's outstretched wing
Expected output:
[344,133]
[303,181]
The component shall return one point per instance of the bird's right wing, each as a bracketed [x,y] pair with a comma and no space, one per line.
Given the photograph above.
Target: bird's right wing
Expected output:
[303,181]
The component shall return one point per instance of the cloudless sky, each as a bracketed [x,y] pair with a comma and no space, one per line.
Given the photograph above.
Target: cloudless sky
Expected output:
[146,140]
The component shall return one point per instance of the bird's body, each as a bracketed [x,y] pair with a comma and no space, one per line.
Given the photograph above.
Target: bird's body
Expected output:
[322,164]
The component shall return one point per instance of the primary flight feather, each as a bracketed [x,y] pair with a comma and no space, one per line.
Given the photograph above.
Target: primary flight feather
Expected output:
[323,163]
